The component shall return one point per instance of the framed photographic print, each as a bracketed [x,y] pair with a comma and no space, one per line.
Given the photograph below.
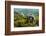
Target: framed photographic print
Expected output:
[24,17]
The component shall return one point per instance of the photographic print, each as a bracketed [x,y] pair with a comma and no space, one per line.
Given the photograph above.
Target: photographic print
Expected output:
[24,18]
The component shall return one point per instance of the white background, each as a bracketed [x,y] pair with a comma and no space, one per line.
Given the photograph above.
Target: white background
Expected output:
[2,19]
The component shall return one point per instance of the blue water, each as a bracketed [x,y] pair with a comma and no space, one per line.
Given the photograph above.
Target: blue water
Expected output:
[27,11]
